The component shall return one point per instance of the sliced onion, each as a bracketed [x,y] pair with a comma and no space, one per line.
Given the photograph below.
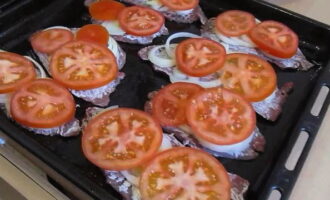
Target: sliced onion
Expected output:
[184,12]
[233,149]
[39,67]
[155,56]
[177,35]
[166,143]
[241,41]
[113,46]
[178,76]
[130,177]
[113,27]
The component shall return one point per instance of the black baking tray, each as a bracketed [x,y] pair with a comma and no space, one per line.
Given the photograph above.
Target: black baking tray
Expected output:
[265,173]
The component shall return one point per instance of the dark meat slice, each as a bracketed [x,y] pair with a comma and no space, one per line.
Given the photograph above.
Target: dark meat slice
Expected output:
[239,186]
[298,61]
[256,145]
[271,107]
[130,192]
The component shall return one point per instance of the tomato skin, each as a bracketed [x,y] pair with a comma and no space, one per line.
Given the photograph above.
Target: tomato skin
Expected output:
[93,33]
[246,69]
[192,159]
[105,10]
[240,23]
[184,4]
[213,112]
[83,71]
[176,96]
[41,94]
[47,41]
[191,55]
[122,135]
[10,61]
[268,35]
[140,21]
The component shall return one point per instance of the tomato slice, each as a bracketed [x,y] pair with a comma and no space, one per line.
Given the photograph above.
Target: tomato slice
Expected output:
[248,75]
[42,103]
[275,39]
[15,71]
[180,4]
[235,23]
[82,65]
[199,57]
[93,33]
[220,116]
[48,41]
[121,139]
[105,10]
[169,105]
[140,21]
[184,173]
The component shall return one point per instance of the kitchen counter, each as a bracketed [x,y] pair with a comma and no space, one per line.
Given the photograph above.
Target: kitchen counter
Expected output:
[314,180]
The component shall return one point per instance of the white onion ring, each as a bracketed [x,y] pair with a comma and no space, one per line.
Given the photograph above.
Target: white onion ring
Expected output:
[59,27]
[39,67]
[177,35]
[158,60]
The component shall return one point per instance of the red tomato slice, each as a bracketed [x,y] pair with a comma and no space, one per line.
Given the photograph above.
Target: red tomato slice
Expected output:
[105,10]
[42,104]
[121,139]
[221,117]
[49,40]
[82,65]
[180,4]
[169,105]
[140,21]
[275,39]
[235,23]
[186,174]
[249,76]
[15,71]
[199,57]
[93,33]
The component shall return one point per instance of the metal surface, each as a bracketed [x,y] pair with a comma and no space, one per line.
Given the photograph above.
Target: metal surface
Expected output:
[264,173]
